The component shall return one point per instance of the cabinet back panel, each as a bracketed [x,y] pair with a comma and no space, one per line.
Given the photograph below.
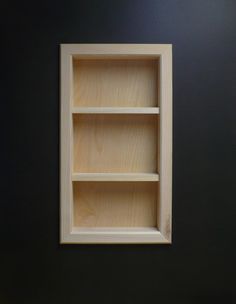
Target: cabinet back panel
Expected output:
[115,143]
[115,82]
[110,204]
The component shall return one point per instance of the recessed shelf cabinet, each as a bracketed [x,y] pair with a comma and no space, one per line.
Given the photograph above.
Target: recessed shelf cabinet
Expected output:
[116,143]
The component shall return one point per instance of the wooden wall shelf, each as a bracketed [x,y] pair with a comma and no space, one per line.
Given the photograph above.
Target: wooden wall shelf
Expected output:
[116,143]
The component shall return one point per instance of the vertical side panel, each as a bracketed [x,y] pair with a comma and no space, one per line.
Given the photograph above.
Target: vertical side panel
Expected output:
[65,145]
[166,143]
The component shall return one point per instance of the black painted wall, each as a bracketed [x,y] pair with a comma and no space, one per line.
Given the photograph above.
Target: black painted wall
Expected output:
[199,266]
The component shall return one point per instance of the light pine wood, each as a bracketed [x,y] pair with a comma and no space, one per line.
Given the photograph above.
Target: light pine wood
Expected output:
[66,144]
[115,143]
[113,235]
[110,204]
[165,145]
[115,110]
[114,148]
[116,82]
[116,177]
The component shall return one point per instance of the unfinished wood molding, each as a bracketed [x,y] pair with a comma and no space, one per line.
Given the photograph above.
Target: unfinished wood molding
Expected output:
[116,143]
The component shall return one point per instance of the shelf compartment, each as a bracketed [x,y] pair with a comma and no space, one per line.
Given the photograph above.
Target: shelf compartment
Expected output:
[124,82]
[111,204]
[115,143]
[115,110]
[118,177]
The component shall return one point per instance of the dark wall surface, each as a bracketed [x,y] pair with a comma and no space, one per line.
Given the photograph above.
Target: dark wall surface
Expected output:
[199,266]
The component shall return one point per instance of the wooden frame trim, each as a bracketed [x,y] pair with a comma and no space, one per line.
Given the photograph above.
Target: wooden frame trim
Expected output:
[68,234]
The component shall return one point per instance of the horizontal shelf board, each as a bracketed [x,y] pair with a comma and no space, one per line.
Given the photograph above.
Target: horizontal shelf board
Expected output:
[145,235]
[115,110]
[116,177]
[116,230]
